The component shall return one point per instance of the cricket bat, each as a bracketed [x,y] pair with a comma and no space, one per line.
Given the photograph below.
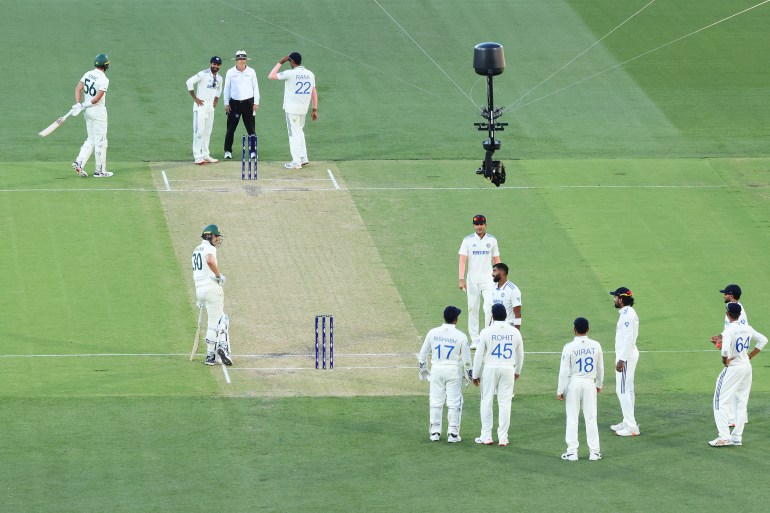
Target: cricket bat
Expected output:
[53,126]
[197,334]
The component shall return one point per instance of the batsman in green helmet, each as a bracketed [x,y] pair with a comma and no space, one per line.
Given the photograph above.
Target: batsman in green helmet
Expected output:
[90,96]
[209,283]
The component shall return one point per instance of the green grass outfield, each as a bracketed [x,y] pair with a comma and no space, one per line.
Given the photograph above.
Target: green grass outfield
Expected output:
[652,175]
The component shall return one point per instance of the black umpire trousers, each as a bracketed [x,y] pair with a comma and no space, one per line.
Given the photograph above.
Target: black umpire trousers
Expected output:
[239,109]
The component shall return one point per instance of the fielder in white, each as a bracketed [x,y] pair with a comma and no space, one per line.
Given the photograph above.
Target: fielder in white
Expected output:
[732,294]
[626,358]
[209,90]
[478,252]
[93,88]
[734,382]
[208,289]
[450,364]
[497,365]
[581,375]
[506,294]
[298,92]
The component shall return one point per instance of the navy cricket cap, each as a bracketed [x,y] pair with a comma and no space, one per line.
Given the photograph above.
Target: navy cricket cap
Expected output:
[451,313]
[622,292]
[735,309]
[732,289]
[479,219]
[296,58]
[581,325]
[216,60]
[498,312]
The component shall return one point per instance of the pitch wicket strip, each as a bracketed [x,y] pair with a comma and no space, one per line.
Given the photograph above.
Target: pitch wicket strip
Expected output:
[253,156]
[323,341]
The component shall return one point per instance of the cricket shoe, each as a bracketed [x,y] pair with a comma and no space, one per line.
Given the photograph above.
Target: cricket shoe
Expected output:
[618,427]
[721,442]
[102,174]
[228,155]
[503,443]
[595,456]
[484,441]
[627,431]
[292,165]
[474,344]
[305,163]
[737,440]
[200,162]
[453,438]
[569,456]
[225,356]
[211,359]
[79,169]
[210,159]
[435,437]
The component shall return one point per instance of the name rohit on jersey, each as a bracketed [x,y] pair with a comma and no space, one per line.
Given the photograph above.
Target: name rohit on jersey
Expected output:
[502,338]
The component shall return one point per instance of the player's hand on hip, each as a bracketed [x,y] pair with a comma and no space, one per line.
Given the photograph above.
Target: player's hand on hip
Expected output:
[199,102]
[220,279]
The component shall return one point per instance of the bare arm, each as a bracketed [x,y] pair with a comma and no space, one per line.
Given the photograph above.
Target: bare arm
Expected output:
[78,91]
[211,261]
[314,100]
[463,262]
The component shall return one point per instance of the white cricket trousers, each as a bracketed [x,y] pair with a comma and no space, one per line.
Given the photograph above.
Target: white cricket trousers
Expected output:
[500,381]
[624,388]
[445,382]
[96,127]
[203,123]
[213,297]
[581,394]
[733,384]
[295,124]
[478,287]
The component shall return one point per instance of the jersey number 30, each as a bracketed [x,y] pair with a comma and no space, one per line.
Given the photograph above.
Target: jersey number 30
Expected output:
[197,262]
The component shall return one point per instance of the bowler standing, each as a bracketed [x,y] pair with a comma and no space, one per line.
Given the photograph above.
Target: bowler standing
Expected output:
[209,90]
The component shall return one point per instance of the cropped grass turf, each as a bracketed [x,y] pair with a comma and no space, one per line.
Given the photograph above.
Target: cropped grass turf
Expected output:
[608,185]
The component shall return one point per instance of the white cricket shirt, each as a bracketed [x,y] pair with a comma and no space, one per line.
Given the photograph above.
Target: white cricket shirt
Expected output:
[202,273]
[509,296]
[480,252]
[742,319]
[626,332]
[297,89]
[447,346]
[736,342]
[93,82]
[581,359]
[209,87]
[500,345]
[241,85]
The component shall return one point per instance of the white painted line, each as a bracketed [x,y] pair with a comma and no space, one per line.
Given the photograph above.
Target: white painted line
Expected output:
[165,179]
[336,367]
[227,374]
[334,181]
[288,180]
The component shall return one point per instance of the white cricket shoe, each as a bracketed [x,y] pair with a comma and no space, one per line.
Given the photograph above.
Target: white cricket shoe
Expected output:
[569,456]
[721,442]
[200,162]
[503,443]
[228,155]
[102,174]
[210,159]
[474,344]
[484,441]
[435,437]
[78,167]
[595,456]
[627,431]
[737,440]
[305,163]
[292,165]
[618,427]
[453,438]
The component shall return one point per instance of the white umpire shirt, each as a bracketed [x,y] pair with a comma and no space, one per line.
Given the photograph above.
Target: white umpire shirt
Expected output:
[297,89]
[480,252]
[241,85]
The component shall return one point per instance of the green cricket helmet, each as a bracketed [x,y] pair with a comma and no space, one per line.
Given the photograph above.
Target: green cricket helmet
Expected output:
[211,229]
[102,61]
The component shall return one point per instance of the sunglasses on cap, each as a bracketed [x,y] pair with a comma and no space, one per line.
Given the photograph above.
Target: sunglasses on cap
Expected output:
[479,220]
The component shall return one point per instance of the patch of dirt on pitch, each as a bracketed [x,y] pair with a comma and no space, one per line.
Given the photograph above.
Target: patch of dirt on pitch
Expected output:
[295,247]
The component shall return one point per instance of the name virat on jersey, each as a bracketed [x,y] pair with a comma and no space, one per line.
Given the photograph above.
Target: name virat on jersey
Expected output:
[584,351]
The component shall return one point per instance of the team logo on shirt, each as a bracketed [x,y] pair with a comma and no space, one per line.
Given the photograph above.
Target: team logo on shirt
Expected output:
[627,323]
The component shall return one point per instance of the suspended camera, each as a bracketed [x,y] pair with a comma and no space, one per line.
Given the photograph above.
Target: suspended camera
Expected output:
[489,60]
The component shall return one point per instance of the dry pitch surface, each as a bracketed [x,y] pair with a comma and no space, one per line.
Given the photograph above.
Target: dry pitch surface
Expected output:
[295,246]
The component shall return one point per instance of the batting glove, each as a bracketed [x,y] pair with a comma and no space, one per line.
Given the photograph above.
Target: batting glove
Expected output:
[424,374]
[220,279]
[467,378]
[76,109]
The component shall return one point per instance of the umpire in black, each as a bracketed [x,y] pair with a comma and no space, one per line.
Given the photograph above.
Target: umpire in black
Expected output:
[241,99]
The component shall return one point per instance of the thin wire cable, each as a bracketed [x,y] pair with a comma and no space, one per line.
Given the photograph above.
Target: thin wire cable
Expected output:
[426,53]
[605,36]
[360,63]
[641,55]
